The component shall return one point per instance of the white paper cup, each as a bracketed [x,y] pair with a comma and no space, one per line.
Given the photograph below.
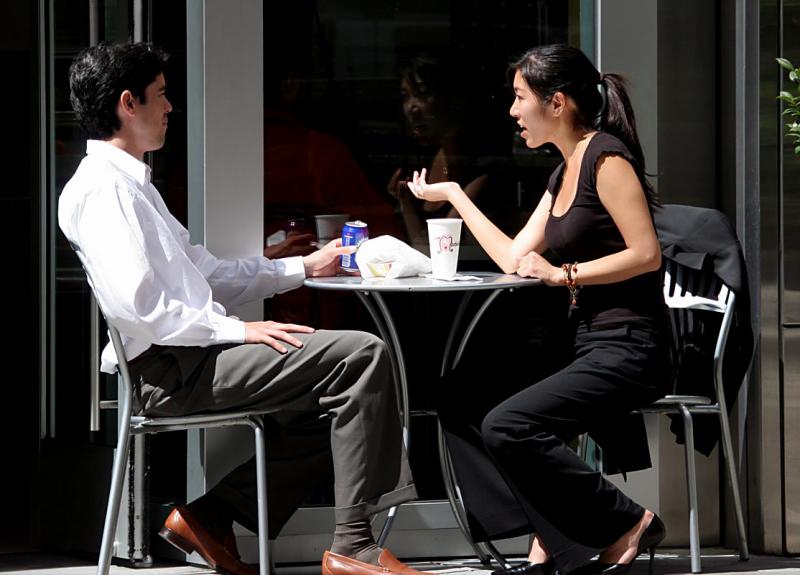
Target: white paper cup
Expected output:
[329,226]
[444,235]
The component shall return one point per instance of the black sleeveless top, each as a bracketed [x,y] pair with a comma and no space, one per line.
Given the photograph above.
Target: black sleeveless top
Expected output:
[587,232]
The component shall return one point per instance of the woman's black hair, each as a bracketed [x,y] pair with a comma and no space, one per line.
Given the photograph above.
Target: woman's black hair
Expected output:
[601,100]
[98,76]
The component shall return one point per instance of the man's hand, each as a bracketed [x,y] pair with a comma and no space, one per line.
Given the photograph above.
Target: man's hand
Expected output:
[324,261]
[272,333]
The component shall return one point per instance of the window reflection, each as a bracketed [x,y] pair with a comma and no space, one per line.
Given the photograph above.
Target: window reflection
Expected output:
[356,98]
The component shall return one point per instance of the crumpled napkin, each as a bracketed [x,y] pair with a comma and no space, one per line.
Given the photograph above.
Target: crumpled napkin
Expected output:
[386,256]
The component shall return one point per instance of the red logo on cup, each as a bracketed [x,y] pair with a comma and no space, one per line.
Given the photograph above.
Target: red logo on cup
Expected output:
[445,244]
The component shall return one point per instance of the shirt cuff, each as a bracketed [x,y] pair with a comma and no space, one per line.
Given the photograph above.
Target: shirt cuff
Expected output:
[292,273]
[229,330]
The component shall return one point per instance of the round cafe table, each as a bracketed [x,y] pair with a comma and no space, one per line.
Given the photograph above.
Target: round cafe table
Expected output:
[369,292]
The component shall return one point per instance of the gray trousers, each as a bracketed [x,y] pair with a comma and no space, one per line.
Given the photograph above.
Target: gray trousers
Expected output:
[333,399]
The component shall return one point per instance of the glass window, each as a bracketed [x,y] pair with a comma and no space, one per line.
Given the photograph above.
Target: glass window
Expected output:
[358,97]
[164,24]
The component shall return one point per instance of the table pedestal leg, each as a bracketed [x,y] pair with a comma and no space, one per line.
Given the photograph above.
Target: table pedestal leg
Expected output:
[388,332]
[451,486]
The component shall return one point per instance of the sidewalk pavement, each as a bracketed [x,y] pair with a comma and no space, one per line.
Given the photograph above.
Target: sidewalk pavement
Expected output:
[668,562]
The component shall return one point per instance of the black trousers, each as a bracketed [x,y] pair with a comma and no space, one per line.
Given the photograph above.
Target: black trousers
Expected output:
[517,472]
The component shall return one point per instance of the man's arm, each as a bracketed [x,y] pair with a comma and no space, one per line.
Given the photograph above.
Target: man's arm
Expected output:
[144,281]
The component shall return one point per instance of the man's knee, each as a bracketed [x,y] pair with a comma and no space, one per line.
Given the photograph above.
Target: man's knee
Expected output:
[361,343]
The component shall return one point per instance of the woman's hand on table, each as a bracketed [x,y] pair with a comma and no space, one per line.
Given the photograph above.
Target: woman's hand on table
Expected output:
[533,265]
[325,261]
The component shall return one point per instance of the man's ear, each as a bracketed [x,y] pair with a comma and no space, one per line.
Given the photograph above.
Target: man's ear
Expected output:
[559,102]
[127,103]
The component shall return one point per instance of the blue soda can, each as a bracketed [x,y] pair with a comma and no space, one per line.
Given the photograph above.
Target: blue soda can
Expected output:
[353,233]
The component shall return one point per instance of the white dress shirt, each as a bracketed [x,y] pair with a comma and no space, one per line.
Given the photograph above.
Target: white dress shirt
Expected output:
[151,283]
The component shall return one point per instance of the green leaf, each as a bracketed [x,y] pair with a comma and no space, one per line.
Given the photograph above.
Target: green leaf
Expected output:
[784,95]
[784,63]
[793,75]
[797,150]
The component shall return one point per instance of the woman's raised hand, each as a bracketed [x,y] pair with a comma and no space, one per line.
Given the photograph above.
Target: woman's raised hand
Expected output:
[430,192]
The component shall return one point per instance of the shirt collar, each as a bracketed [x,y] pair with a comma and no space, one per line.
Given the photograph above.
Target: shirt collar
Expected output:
[121,159]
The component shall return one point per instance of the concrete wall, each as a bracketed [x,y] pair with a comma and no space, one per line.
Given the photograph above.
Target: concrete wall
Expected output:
[640,40]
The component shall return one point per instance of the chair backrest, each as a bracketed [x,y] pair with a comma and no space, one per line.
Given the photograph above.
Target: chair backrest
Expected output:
[126,392]
[687,290]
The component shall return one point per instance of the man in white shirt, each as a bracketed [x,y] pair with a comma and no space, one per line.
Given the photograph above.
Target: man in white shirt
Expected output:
[168,298]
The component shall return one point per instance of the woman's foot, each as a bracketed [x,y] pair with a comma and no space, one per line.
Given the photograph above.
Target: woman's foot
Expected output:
[528,568]
[538,553]
[626,548]
[539,562]
[618,558]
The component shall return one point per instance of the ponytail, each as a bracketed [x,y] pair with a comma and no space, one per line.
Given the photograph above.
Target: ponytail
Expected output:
[616,117]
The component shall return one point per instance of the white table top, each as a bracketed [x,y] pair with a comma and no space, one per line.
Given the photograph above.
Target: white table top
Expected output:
[486,281]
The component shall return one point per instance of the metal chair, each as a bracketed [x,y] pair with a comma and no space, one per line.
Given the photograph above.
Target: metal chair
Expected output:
[130,424]
[137,425]
[686,289]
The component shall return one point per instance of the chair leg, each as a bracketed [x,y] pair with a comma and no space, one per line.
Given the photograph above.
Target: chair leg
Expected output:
[387,526]
[733,481]
[261,477]
[583,446]
[114,497]
[691,486]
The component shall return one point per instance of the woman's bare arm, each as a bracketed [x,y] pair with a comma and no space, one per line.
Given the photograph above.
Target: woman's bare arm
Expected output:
[504,250]
[621,194]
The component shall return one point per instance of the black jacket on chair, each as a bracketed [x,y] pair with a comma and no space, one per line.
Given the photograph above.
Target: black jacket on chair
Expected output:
[703,238]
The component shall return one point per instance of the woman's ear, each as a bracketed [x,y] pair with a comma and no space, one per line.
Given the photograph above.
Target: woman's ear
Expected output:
[559,103]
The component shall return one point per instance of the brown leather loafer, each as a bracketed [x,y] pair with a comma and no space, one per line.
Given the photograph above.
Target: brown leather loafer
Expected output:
[335,564]
[183,531]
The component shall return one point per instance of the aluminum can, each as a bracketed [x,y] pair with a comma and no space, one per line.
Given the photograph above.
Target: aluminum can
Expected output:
[353,233]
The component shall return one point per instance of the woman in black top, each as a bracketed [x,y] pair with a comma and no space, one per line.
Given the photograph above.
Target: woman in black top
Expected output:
[596,220]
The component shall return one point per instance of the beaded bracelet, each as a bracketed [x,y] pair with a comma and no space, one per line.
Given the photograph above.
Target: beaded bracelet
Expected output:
[568,271]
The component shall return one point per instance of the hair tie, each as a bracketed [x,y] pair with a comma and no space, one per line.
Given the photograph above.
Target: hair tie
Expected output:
[603,90]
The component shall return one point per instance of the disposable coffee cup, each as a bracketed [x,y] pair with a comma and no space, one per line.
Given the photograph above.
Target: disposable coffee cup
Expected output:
[329,226]
[444,235]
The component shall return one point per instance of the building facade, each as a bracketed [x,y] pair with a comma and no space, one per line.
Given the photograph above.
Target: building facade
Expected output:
[367,92]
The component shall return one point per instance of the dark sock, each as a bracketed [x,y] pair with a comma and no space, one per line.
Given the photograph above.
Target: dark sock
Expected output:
[355,540]
[213,514]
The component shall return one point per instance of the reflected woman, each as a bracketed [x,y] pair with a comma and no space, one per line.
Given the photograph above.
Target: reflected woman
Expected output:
[440,122]
[595,221]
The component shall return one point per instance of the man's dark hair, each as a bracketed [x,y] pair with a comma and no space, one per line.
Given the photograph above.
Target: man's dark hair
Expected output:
[98,76]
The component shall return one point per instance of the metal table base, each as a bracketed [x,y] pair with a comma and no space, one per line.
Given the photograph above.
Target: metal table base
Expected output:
[369,293]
